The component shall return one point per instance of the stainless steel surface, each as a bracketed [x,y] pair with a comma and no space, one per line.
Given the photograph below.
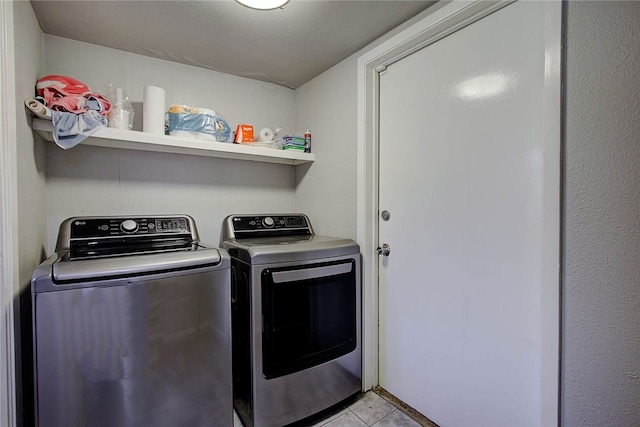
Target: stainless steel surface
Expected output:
[65,232]
[283,400]
[264,245]
[385,250]
[103,268]
[291,397]
[386,215]
[151,347]
[288,248]
[309,273]
[229,231]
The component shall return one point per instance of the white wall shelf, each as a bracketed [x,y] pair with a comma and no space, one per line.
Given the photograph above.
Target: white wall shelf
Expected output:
[134,140]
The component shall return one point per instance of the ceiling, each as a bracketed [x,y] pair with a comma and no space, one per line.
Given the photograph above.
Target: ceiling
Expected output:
[287,47]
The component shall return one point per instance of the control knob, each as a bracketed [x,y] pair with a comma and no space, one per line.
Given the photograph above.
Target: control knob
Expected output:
[267,221]
[129,226]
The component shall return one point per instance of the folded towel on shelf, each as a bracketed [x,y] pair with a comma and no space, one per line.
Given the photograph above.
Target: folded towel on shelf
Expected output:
[70,129]
[293,147]
[293,142]
[293,139]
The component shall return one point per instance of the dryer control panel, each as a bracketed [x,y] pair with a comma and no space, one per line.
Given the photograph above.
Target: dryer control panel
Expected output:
[248,226]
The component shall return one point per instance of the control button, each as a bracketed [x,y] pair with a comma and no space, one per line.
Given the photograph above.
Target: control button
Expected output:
[268,221]
[129,226]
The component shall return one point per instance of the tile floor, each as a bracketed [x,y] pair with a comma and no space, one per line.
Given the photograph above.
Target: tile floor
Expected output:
[370,410]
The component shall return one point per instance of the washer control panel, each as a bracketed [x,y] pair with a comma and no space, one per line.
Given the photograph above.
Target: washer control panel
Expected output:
[82,228]
[101,236]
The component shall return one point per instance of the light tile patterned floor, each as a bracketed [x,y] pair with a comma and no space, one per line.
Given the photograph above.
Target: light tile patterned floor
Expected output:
[371,410]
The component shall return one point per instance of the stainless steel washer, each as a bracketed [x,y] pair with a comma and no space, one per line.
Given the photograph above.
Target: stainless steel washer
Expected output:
[296,318]
[132,326]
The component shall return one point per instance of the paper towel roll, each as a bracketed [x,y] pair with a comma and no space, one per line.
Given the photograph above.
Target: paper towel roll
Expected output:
[38,108]
[153,110]
[266,134]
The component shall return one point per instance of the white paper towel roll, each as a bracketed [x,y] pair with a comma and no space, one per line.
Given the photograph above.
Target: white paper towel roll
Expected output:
[153,110]
[266,134]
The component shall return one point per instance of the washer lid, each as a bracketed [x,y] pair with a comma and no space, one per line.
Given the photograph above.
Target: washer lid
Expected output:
[72,271]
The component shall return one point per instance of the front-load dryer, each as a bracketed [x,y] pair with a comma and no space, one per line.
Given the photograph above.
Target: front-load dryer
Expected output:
[296,318]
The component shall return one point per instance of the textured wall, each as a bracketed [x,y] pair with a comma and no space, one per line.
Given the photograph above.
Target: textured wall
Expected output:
[601,291]
[106,181]
[326,191]
[31,155]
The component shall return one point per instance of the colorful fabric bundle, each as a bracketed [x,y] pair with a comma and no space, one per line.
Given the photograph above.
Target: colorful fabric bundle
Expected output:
[76,112]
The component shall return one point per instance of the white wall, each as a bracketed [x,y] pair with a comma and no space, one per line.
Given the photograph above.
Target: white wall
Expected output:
[326,190]
[31,154]
[328,106]
[104,181]
[601,293]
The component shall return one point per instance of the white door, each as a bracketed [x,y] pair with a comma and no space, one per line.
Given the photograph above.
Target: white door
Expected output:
[462,144]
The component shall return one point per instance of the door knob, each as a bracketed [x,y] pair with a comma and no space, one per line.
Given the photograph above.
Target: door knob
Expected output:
[385,250]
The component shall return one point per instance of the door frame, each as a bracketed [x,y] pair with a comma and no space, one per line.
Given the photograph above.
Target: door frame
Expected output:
[439,21]
[8,216]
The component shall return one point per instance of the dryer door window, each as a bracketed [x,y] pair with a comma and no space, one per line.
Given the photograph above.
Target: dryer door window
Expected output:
[309,315]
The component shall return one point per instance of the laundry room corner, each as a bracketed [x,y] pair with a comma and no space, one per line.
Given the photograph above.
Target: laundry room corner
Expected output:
[326,191]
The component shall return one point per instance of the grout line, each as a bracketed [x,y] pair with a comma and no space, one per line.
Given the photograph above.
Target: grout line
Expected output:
[403,407]
[356,415]
[386,416]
